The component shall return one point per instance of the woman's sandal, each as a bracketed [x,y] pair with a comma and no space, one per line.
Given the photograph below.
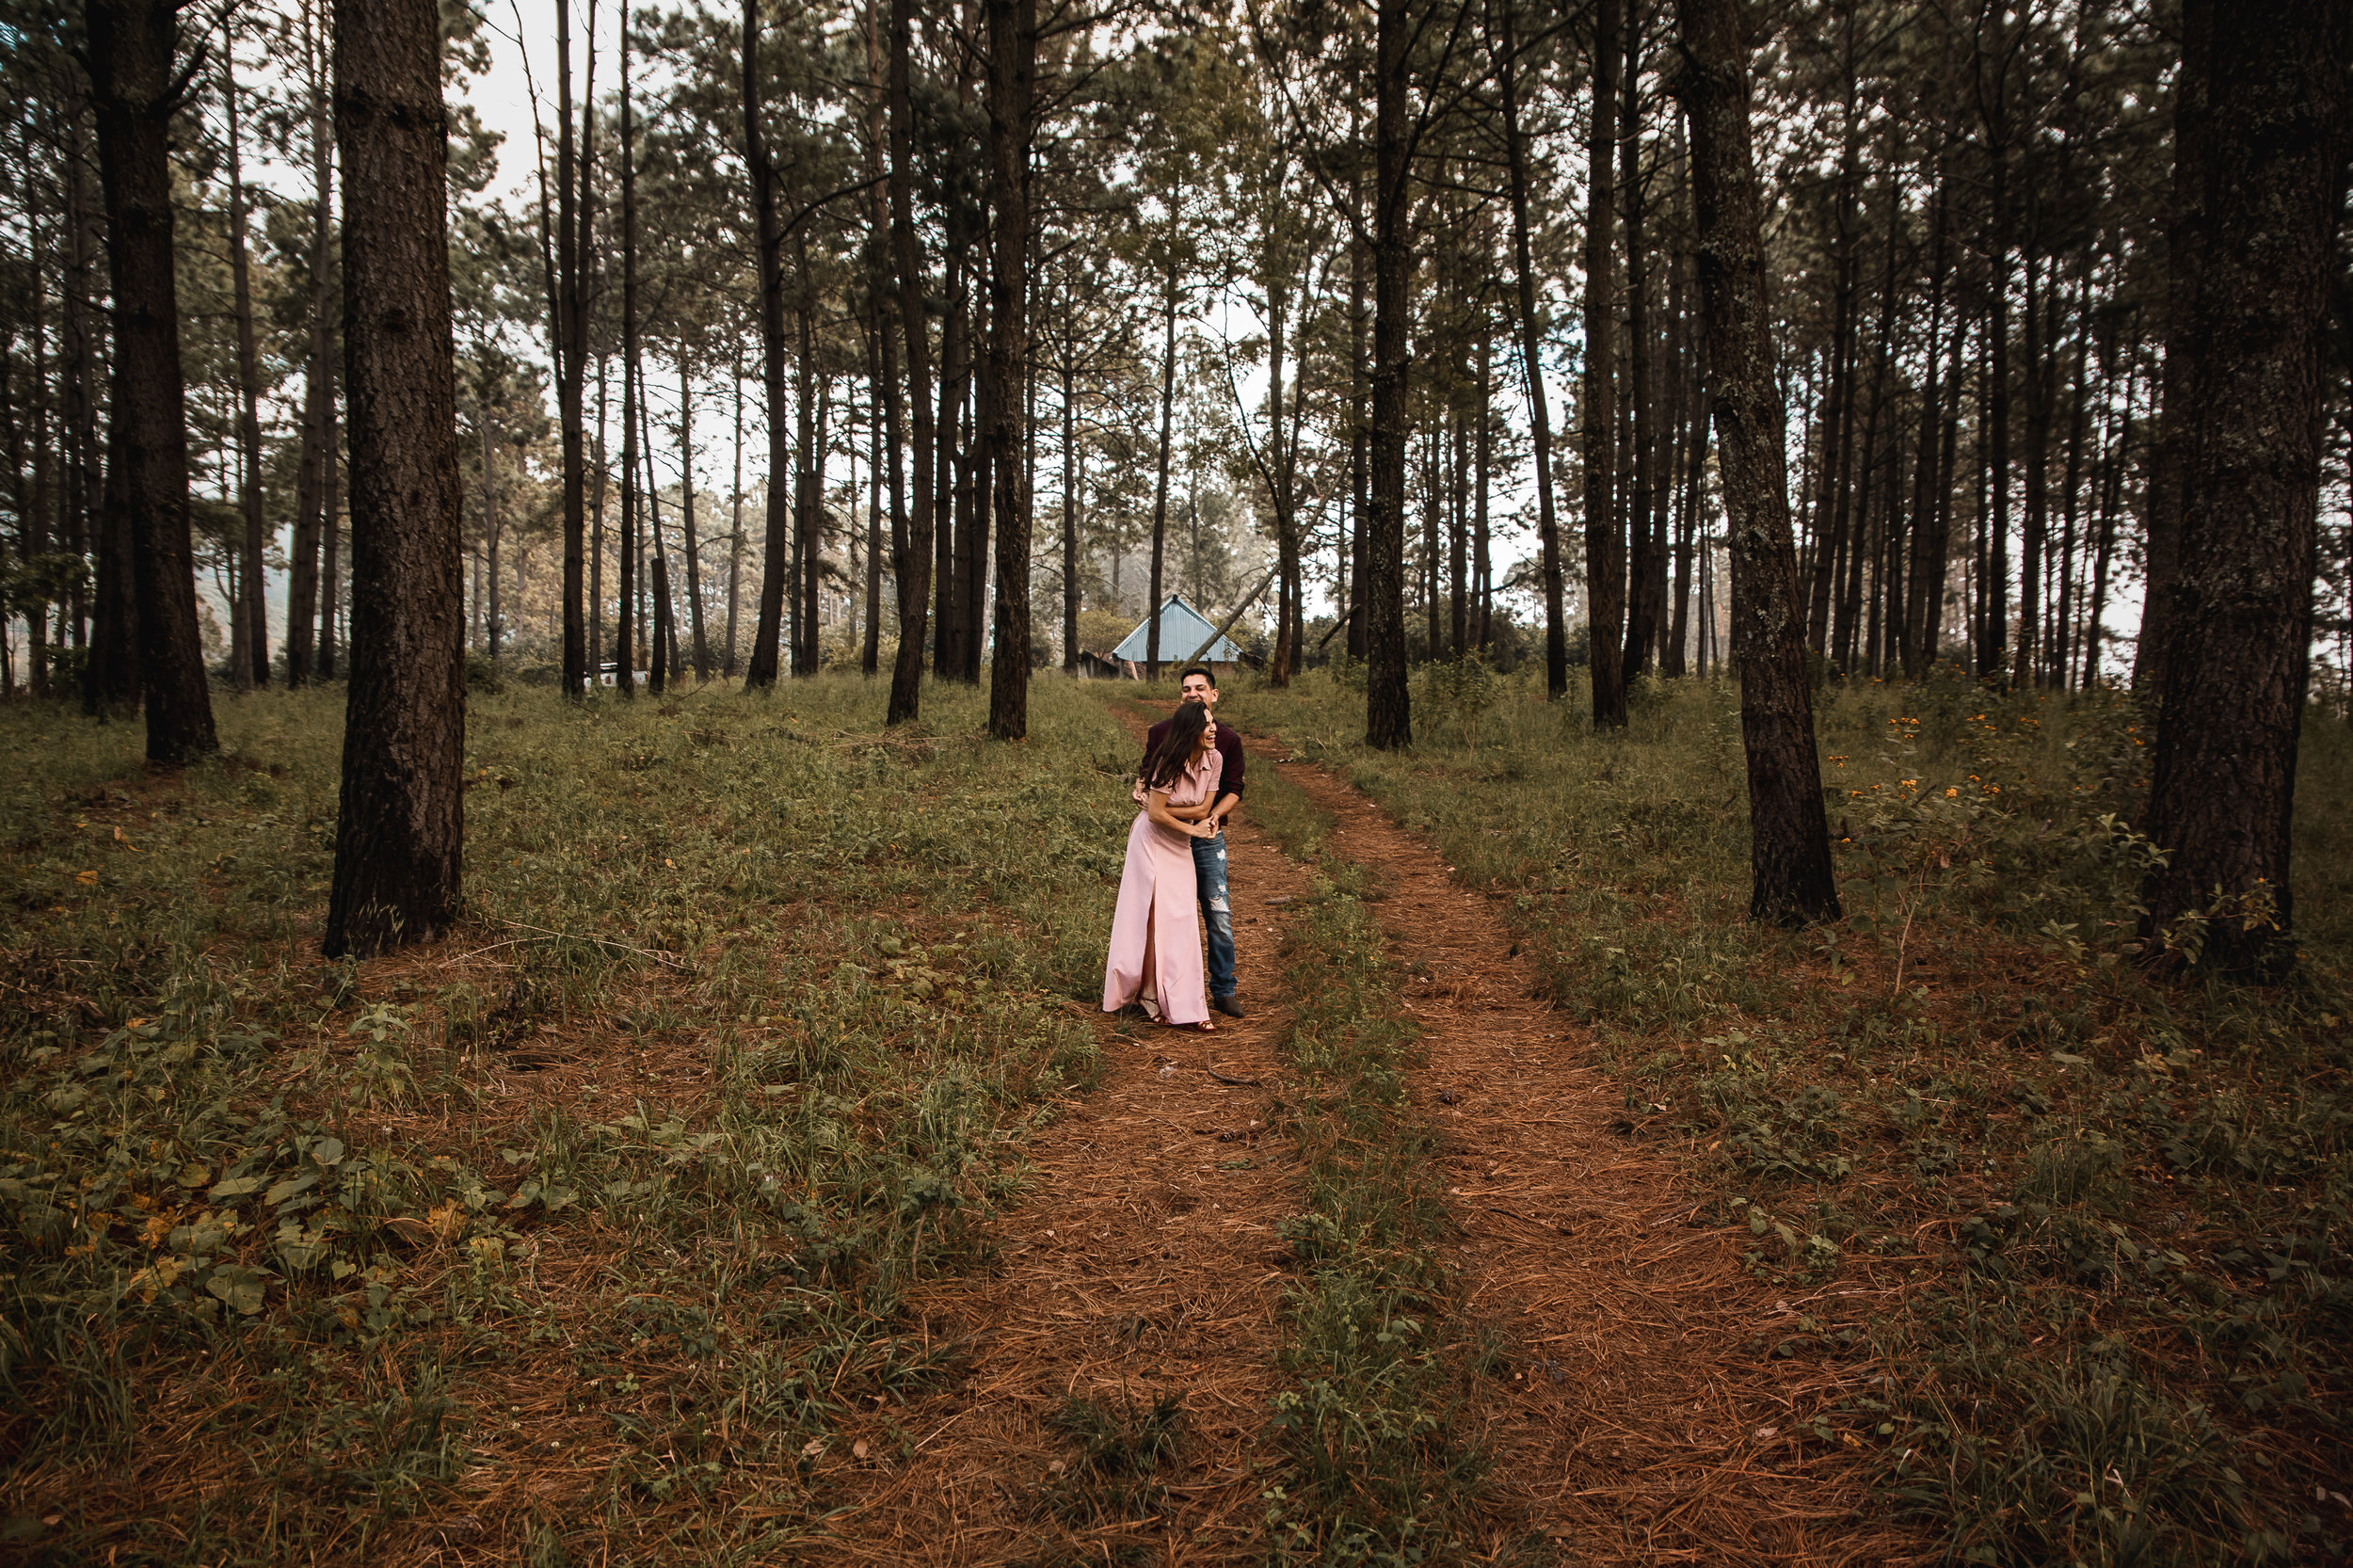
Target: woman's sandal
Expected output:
[1204,1027]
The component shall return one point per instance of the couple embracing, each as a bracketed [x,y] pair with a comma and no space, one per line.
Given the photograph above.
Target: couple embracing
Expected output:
[1190,783]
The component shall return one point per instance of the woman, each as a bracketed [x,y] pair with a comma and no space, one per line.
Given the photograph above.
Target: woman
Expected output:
[1156,945]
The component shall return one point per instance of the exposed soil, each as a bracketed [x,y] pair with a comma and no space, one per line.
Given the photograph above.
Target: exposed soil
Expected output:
[1141,1262]
[1639,1424]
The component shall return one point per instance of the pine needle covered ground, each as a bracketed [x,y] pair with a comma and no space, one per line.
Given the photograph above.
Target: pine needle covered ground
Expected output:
[2084,1236]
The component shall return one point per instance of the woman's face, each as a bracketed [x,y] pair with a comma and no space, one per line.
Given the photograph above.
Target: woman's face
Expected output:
[1207,738]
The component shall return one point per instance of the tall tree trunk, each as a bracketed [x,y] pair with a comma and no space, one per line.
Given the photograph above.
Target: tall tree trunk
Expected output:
[1012,94]
[687,520]
[1460,531]
[882,356]
[1071,474]
[1483,567]
[808,502]
[596,537]
[330,535]
[111,682]
[318,403]
[1833,492]
[77,369]
[2223,789]
[1357,544]
[1531,362]
[1997,436]
[251,610]
[870,650]
[2027,662]
[626,636]
[575,218]
[131,62]
[2111,493]
[33,525]
[1604,540]
[1691,528]
[769,237]
[1278,492]
[2060,663]
[735,528]
[911,553]
[1922,613]
[399,833]
[663,662]
[952,548]
[2186,256]
[1645,586]
[1159,483]
[1789,838]
[490,519]
[1389,704]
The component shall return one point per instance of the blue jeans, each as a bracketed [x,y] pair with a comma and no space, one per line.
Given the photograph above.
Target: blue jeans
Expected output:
[1208,871]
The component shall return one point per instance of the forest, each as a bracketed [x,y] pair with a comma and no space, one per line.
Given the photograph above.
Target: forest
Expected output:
[581,591]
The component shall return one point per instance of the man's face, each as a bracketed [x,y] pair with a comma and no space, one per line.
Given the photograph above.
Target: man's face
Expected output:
[1196,688]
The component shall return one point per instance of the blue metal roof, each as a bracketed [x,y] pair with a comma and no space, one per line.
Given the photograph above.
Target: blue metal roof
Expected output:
[1182,630]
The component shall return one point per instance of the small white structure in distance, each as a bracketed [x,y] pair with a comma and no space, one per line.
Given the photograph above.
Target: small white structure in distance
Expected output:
[1182,630]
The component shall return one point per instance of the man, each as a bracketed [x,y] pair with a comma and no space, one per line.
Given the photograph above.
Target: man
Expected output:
[1198,685]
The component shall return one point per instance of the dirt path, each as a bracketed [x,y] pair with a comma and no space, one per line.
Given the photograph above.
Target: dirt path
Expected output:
[1641,1425]
[1141,1262]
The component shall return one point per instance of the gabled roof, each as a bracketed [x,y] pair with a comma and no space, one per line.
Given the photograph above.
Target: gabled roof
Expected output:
[1182,630]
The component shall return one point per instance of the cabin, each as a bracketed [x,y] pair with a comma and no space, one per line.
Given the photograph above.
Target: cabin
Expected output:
[1183,629]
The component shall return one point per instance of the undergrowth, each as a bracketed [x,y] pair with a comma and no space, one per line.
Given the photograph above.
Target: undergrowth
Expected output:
[2102,1224]
[583,1233]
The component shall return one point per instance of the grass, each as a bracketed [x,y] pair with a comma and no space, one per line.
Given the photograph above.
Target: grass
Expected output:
[581,1234]
[2112,1216]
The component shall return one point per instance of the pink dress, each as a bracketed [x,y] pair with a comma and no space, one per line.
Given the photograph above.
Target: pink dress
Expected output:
[1159,907]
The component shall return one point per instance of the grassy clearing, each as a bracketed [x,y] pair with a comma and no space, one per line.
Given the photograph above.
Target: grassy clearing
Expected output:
[1374,1349]
[584,1233]
[2103,1224]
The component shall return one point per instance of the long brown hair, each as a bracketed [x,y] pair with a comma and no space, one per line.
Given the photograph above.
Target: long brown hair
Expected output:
[1168,760]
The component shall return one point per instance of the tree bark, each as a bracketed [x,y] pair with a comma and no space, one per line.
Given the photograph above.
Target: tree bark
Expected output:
[1389,704]
[1646,556]
[1604,540]
[911,553]
[883,351]
[134,94]
[2223,789]
[400,829]
[318,402]
[1072,472]
[574,223]
[2186,254]
[808,506]
[251,610]
[687,521]
[1012,97]
[595,533]
[1531,363]
[768,631]
[1159,483]
[1789,838]
[627,628]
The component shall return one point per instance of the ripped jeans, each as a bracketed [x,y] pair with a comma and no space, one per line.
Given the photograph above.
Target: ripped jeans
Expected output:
[1208,871]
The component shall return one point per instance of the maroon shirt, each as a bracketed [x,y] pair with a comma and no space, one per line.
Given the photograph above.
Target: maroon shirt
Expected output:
[1228,747]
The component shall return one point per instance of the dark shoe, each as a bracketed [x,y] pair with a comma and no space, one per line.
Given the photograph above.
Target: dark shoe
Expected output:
[1230,1006]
